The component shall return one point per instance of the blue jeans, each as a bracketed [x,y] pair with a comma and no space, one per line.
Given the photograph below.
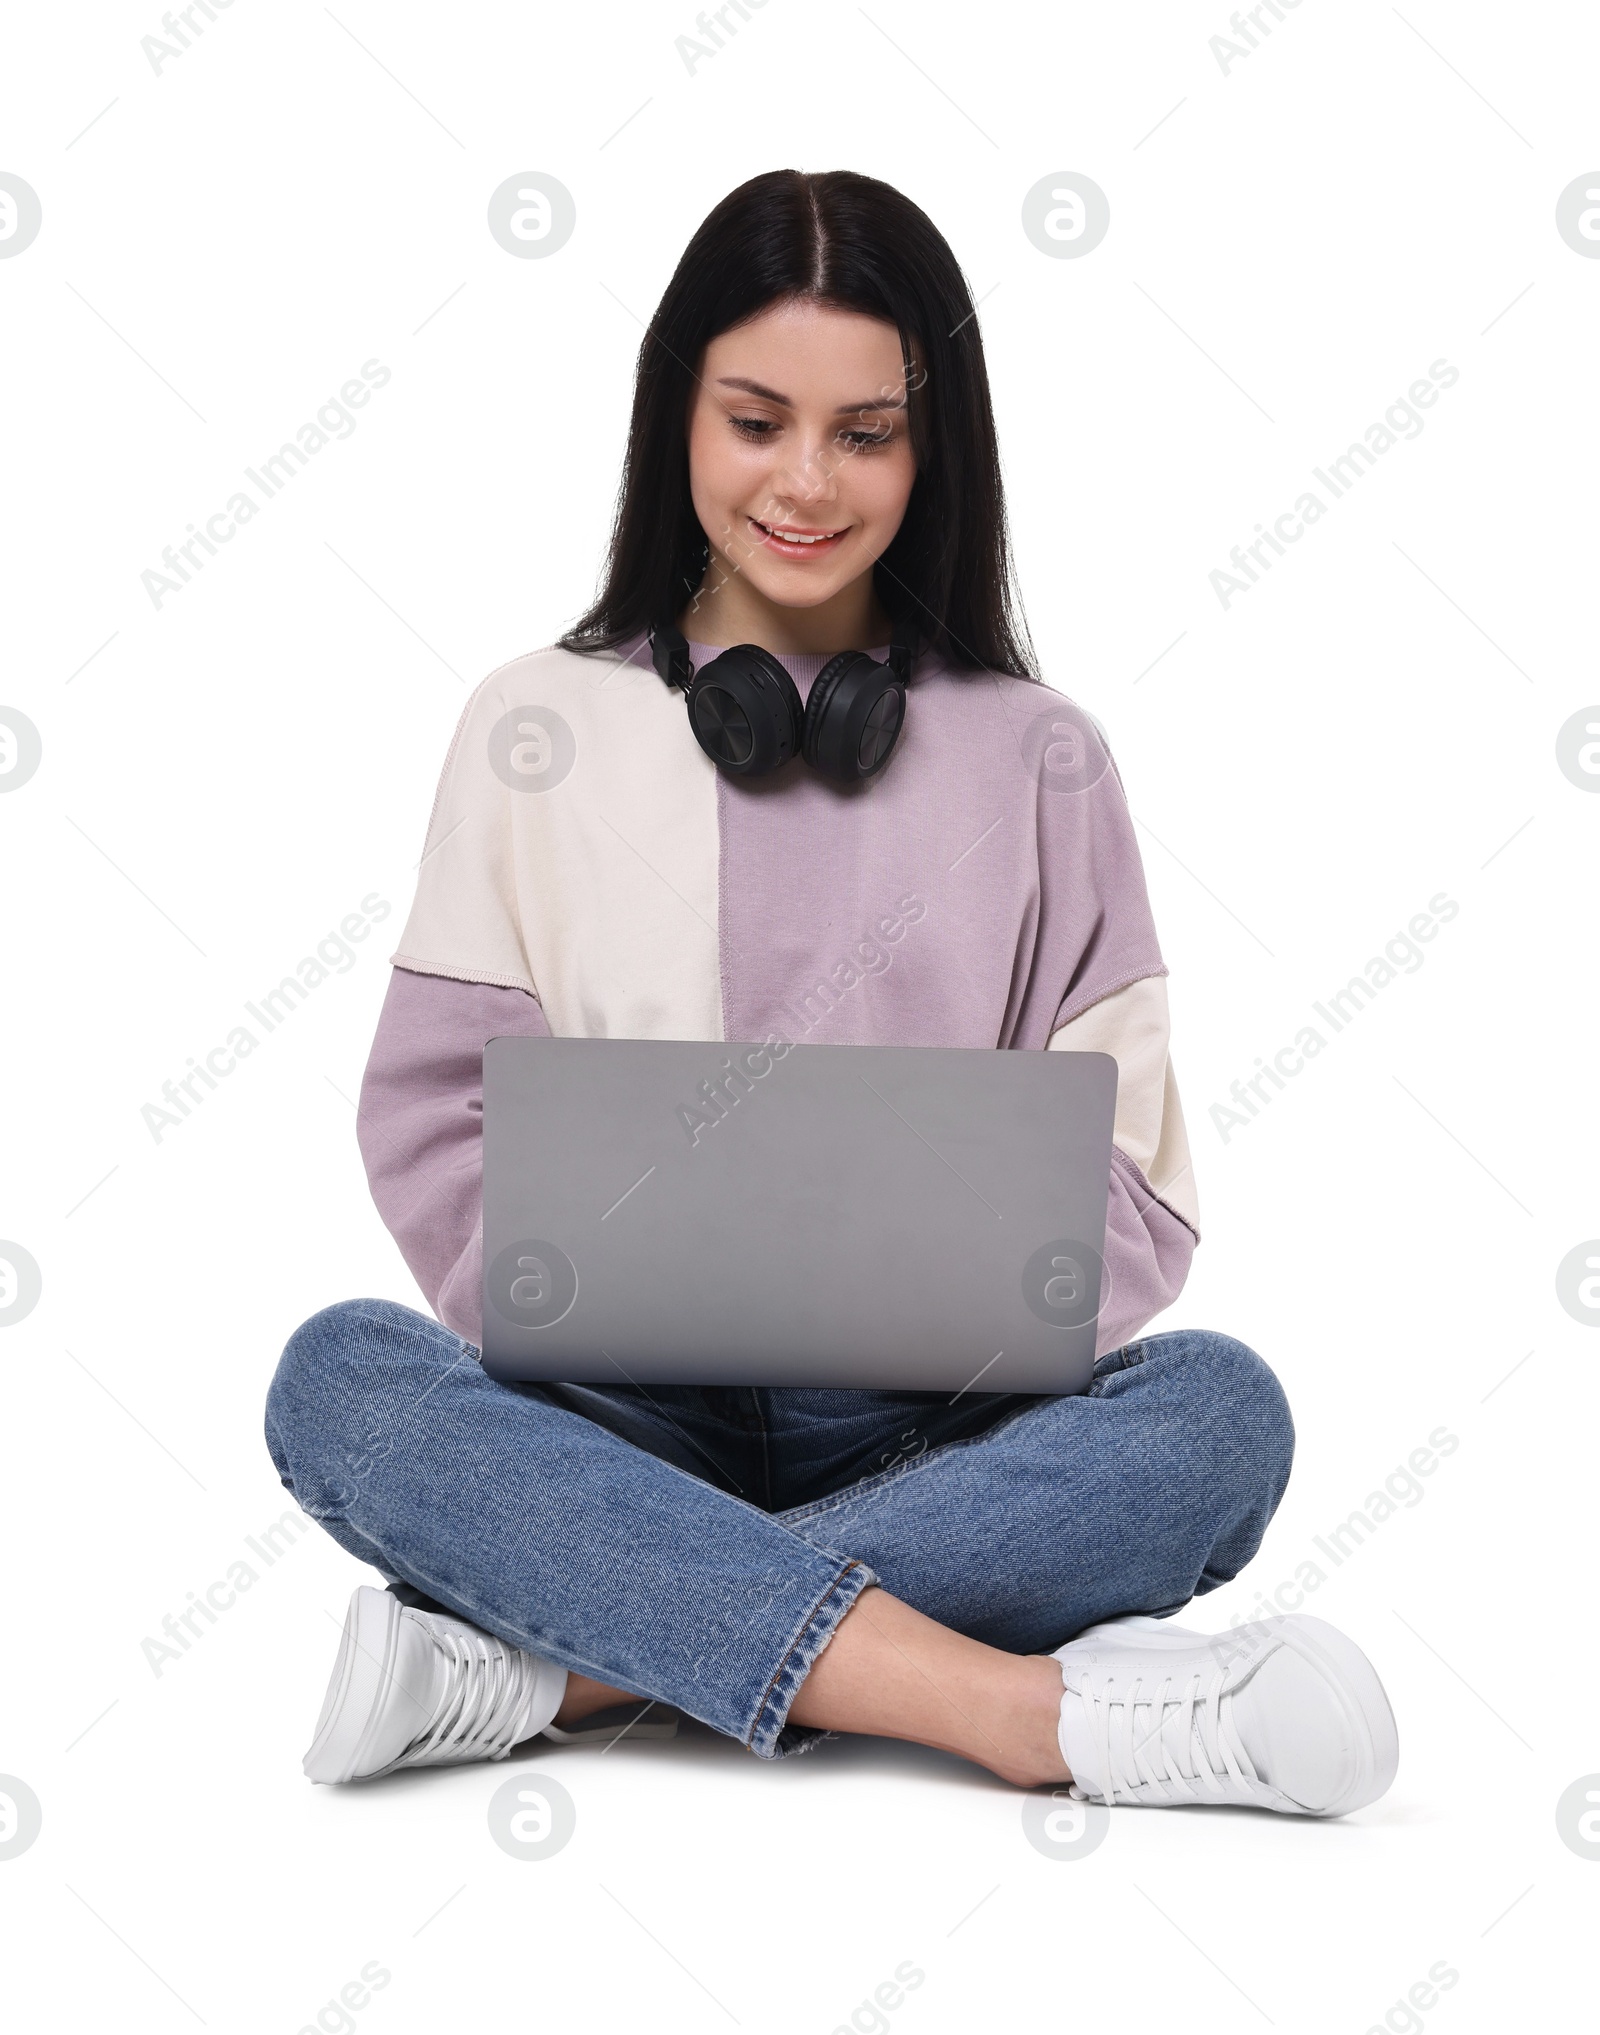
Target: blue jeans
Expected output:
[699,1546]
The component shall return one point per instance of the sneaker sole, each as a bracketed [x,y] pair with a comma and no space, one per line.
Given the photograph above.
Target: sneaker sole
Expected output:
[625,1720]
[360,1680]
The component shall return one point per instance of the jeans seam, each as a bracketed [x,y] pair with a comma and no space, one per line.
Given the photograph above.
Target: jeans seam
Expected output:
[794,1646]
[1130,1354]
[819,1508]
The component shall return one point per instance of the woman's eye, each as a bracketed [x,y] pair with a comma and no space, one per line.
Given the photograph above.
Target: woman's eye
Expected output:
[759,428]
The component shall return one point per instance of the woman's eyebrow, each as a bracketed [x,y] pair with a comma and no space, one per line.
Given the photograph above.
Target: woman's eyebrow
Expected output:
[734,381]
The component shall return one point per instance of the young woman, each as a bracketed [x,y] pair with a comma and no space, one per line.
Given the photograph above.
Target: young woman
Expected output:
[811,472]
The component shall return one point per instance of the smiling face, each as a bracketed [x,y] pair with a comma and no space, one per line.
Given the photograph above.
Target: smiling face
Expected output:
[800,469]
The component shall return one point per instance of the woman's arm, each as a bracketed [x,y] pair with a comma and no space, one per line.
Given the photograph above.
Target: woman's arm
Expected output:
[420,1128]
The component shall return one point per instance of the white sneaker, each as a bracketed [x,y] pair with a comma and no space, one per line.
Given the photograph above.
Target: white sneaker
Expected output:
[1285,1713]
[418,1688]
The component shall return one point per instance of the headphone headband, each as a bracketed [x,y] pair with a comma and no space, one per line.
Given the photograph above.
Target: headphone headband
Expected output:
[669,652]
[902,648]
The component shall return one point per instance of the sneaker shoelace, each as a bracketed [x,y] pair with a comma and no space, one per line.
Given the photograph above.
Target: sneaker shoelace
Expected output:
[1171,1745]
[485,1704]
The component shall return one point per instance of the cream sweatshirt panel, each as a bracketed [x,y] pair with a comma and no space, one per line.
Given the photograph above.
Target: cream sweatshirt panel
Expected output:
[573,852]
[1133,1025]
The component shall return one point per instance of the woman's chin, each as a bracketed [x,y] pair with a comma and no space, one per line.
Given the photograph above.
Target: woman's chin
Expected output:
[799,586]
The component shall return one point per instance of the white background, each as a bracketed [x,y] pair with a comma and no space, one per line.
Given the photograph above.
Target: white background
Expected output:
[1292,243]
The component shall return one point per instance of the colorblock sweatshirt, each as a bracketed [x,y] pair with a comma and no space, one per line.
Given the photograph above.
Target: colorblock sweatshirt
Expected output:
[588,872]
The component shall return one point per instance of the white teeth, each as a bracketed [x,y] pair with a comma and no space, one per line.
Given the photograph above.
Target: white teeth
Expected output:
[784,536]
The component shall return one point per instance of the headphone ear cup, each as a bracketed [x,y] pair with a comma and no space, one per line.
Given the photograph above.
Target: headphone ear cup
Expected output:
[745,711]
[852,717]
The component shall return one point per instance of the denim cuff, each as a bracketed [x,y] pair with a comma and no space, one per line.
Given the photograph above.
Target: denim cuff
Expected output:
[770,1736]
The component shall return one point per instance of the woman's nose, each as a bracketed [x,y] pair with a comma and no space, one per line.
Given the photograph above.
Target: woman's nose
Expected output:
[809,477]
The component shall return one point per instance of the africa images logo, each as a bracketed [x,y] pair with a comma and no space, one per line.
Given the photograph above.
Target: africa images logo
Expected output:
[533,1284]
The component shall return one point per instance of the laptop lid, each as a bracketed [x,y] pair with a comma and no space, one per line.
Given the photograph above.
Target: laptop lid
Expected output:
[906,1218]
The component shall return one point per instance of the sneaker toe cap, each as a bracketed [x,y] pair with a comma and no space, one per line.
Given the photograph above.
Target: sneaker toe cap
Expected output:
[1318,1724]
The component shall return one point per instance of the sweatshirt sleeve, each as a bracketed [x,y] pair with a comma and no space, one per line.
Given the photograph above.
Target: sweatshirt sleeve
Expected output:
[420,1128]
[1099,974]
[1152,1216]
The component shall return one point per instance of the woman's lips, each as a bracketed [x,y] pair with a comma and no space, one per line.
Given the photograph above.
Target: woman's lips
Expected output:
[795,546]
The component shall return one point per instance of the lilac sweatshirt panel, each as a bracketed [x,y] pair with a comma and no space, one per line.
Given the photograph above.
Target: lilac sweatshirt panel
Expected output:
[1033,898]
[420,1128]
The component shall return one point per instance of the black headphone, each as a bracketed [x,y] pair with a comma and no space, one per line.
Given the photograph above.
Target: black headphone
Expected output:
[747,715]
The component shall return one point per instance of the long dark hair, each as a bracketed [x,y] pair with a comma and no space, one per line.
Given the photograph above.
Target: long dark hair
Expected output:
[859,245]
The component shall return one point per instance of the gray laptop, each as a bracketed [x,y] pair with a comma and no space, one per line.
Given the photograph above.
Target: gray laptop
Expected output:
[922,1218]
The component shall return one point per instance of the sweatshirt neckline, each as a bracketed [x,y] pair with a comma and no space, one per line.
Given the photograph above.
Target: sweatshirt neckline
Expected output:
[801,665]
